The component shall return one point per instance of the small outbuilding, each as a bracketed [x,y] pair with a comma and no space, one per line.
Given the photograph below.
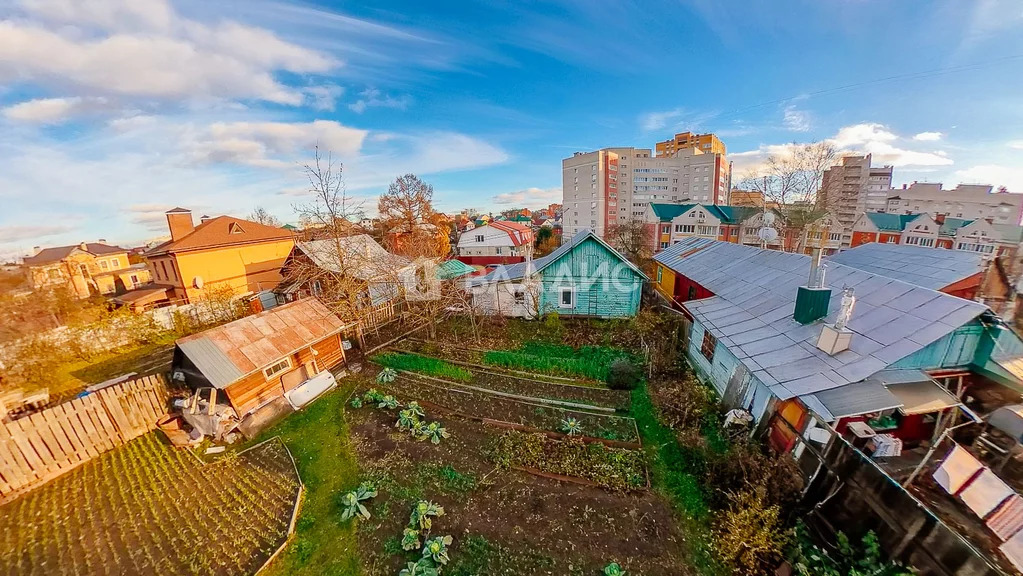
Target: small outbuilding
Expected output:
[257,359]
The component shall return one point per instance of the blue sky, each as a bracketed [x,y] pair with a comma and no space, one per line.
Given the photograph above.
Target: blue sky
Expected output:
[112,111]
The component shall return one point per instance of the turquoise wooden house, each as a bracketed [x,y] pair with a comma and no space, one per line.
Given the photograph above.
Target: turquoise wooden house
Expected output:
[583,277]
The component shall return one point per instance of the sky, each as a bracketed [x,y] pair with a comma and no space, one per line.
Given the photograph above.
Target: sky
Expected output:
[113,111]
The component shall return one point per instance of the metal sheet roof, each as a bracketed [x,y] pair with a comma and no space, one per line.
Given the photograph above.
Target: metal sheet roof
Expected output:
[751,313]
[926,267]
[855,399]
[226,353]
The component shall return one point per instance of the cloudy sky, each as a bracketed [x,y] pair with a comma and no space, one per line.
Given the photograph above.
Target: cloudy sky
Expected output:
[112,111]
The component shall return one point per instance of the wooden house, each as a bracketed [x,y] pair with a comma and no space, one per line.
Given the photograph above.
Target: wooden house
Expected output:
[257,359]
[583,277]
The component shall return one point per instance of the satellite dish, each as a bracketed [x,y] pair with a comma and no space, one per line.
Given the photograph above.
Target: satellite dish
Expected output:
[769,218]
[768,234]
[197,282]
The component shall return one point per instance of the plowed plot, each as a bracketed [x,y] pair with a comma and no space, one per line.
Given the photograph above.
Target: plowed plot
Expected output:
[504,522]
[481,405]
[146,508]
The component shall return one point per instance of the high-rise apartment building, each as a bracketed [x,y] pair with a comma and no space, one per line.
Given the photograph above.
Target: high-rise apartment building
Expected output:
[967,201]
[614,185]
[854,187]
[706,143]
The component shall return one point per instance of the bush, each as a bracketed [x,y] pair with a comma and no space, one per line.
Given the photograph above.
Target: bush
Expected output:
[623,375]
[684,403]
[747,465]
[808,559]
[749,536]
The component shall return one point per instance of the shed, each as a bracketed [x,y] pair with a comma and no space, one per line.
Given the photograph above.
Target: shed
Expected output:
[256,359]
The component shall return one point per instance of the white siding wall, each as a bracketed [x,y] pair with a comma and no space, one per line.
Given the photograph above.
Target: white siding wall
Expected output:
[499,298]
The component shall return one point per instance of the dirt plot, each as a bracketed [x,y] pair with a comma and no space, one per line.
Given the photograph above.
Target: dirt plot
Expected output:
[504,522]
[146,508]
[534,415]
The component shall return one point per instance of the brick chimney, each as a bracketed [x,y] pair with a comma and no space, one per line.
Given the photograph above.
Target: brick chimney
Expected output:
[939,218]
[179,221]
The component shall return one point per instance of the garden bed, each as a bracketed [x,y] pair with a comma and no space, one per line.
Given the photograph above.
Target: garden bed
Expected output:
[612,430]
[539,391]
[146,508]
[503,521]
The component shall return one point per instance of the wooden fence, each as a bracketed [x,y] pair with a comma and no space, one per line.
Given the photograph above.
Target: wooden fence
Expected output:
[40,447]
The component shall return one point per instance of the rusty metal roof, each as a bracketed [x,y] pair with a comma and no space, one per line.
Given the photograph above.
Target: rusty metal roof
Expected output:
[226,353]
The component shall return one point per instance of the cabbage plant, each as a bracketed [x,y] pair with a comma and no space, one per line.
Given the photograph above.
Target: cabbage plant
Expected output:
[387,375]
[389,402]
[571,426]
[613,569]
[433,432]
[436,549]
[351,502]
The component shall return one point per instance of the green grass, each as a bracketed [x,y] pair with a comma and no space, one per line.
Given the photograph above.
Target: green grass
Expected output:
[453,481]
[424,365]
[318,439]
[591,362]
[675,471]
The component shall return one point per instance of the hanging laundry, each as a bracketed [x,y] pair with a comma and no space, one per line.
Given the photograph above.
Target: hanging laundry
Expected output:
[956,471]
[985,493]
[1007,520]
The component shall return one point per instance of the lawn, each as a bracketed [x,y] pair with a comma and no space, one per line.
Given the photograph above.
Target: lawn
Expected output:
[147,508]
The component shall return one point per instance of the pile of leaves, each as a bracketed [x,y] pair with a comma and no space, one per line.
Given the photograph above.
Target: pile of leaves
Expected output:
[423,365]
[593,362]
[613,468]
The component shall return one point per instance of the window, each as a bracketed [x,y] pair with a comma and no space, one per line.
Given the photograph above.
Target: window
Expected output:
[520,295]
[115,263]
[692,293]
[103,265]
[277,367]
[317,287]
[659,271]
[566,297]
[498,250]
[134,279]
[234,228]
[479,237]
[84,270]
[708,345]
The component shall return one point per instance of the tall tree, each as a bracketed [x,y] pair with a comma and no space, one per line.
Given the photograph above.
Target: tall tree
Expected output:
[263,216]
[634,240]
[794,178]
[411,226]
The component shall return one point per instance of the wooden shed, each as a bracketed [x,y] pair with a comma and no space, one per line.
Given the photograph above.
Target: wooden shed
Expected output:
[256,359]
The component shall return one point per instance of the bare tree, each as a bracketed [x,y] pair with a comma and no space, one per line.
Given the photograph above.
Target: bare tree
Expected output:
[261,215]
[634,239]
[411,227]
[794,179]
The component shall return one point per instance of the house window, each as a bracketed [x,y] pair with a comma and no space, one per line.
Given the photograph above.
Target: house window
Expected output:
[692,293]
[498,250]
[84,270]
[520,295]
[659,270]
[234,228]
[103,265]
[276,368]
[566,297]
[115,263]
[479,237]
[708,345]
[134,280]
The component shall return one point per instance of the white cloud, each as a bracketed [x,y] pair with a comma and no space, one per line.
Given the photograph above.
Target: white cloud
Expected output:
[796,120]
[1016,144]
[859,134]
[20,233]
[42,110]
[659,120]
[152,216]
[145,50]
[996,175]
[273,144]
[928,136]
[530,197]
[323,97]
[373,98]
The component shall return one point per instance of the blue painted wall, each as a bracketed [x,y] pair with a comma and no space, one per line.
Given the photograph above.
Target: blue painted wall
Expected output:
[605,286]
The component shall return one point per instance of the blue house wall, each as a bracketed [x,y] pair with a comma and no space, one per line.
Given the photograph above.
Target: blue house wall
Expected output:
[604,285]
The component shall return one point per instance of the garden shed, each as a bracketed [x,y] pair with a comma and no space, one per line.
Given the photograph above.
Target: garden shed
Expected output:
[259,358]
[583,277]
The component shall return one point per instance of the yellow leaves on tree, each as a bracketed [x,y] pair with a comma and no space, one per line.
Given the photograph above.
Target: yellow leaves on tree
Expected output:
[749,536]
[411,226]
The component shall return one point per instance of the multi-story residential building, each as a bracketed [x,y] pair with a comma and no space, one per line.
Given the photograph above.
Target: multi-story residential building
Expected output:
[85,269]
[221,252]
[707,143]
[969,201]
[854,187]
[500,242]
[615,185]
[979,235]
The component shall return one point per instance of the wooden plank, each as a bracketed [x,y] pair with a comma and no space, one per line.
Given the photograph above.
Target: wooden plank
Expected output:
[75,411]
[134,410]
[64,420]
[125,425]
[40,427]
[34,459]
[34,436]
[50,417]
[105,425]
[101,427]
[158,394]
[147,399]
[17,472]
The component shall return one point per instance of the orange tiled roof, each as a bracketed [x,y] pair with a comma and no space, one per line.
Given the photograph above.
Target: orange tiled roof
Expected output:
[222,231]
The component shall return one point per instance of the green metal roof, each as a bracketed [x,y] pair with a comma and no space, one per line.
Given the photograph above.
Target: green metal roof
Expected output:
[453,269]
[894,222]
[950,225]
[727,214]
[666,212]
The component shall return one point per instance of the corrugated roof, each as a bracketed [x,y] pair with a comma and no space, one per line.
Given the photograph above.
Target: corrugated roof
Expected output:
[667,212]
[359,256]
[58,253]
[453,269]
[727,214]
[226,353]
[855,399]
[751,314]
[519,234]
[932,268]
[892,222]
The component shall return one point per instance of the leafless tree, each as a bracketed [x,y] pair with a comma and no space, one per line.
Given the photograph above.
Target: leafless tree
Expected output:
[411,227]
[794,179]
[263,216]
[634,240]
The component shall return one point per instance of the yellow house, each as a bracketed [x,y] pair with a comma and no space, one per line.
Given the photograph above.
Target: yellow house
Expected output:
[220,252]
[86,268]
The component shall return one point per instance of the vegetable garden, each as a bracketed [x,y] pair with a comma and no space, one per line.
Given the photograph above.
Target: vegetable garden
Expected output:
[146,508]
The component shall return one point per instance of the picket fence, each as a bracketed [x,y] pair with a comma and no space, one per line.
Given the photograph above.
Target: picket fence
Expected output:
[38,448]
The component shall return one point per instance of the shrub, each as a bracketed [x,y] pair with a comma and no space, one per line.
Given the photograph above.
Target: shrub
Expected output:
[747,465]
[623,375]
[808,559]
[749,536]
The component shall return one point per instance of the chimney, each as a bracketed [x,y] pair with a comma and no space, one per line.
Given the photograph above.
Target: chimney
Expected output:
[36,250]
[835,338]
[204,218]
[939,218]
[813,299]
[179,221]
[83,247]
[102,241]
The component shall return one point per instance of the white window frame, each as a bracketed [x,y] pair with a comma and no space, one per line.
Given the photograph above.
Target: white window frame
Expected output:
[279,367]
[562,290]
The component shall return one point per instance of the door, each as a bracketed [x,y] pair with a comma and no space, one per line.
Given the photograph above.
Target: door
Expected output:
[291,379]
